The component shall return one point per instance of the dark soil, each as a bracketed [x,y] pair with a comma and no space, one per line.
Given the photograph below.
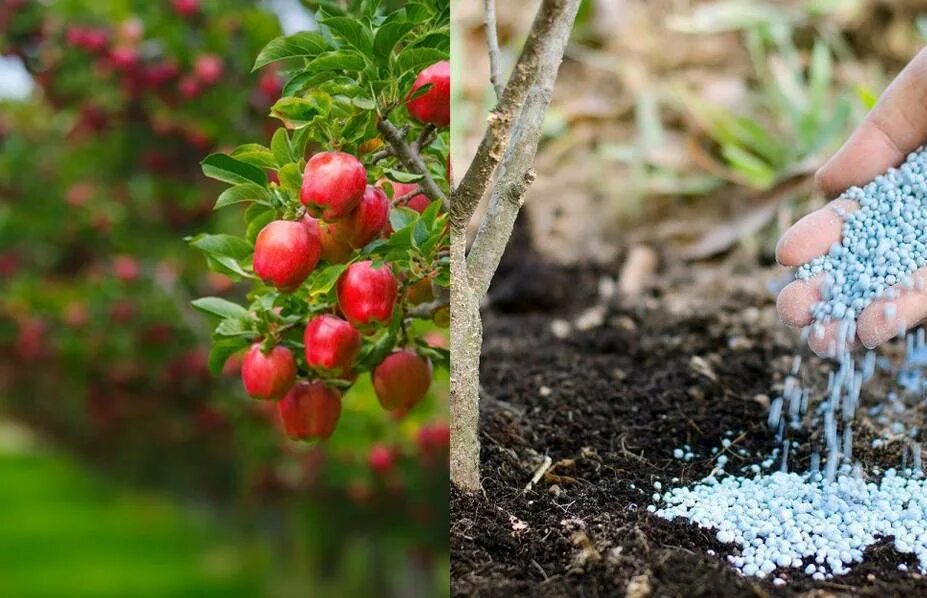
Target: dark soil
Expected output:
[608,405]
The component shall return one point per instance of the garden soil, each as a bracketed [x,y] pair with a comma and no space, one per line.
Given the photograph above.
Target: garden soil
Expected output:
[607,388]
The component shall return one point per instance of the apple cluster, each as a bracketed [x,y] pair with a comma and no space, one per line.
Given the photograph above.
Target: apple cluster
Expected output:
[341,214]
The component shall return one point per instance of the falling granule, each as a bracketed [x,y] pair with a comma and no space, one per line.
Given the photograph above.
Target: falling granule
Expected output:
[786,520]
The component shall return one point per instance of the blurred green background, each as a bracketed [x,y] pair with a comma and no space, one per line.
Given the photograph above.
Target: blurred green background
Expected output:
[126,469]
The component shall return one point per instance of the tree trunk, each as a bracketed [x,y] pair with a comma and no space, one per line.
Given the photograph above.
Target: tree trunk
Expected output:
[466,343]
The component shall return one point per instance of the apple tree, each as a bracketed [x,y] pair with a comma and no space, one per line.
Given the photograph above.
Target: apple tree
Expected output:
[345,234]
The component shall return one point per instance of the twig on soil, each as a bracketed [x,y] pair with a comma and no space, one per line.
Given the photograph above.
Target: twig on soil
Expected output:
[539,472]
[637,271]
[535,563]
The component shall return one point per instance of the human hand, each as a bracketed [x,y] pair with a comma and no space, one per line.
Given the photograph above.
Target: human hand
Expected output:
[896,126]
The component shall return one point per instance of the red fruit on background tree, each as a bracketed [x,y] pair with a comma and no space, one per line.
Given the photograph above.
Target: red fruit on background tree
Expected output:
[270,84]
[367,295]
[433,106]
[125,268]
[366,222]
[285,254]
[268,375]
[402,380]
[123,58]
[310,411]
[381,458]
[332,345]
[186,7]
[189,87]
[333,184]
[208,69]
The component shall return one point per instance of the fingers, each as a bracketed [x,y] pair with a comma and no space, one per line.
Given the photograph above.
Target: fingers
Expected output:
[813,234]
[884,319]
[825,339]
[795,301]
[896,126]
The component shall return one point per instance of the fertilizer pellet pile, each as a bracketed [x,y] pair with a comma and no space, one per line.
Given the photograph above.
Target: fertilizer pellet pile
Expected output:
[883,242]
[788,520]
[821,521]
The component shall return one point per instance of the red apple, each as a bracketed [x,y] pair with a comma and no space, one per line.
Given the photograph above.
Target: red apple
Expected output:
[402,379]
[79,194]
[189,87]
[333,184]
[435,436]
[366,222]
[125,268]
[419,292]
[285,254]
[419,203]
[366,294]
[160,73]
[332,344]
[270,84]
[381,458]
[433,440]
[123,58]
[334,250]
[186,7]
[433,106]
[270,375]
[310,411]
[208,69]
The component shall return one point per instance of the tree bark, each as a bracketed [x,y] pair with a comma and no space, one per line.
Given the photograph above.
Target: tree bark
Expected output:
[466,344]
[519,116]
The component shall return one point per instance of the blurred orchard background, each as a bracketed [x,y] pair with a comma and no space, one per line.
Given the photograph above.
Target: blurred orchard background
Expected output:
[126,467]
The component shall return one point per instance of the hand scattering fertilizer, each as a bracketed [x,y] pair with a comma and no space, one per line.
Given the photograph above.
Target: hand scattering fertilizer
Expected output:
[821,521]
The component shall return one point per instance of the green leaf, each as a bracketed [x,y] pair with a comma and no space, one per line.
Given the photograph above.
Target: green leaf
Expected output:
[236,327]
[222,349]
[296,113]
[224,250]
[291,178]
[305,44]
[280,146]
[419,233]
[415,59]
[402,177]
[339,60]
[256,155]
[352,31]
[243,192]
[218,306]
[388,36]
[420,91]
[222,245]
[257,217]
[323,281]
[298,143]
[229,170]
[399,218]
